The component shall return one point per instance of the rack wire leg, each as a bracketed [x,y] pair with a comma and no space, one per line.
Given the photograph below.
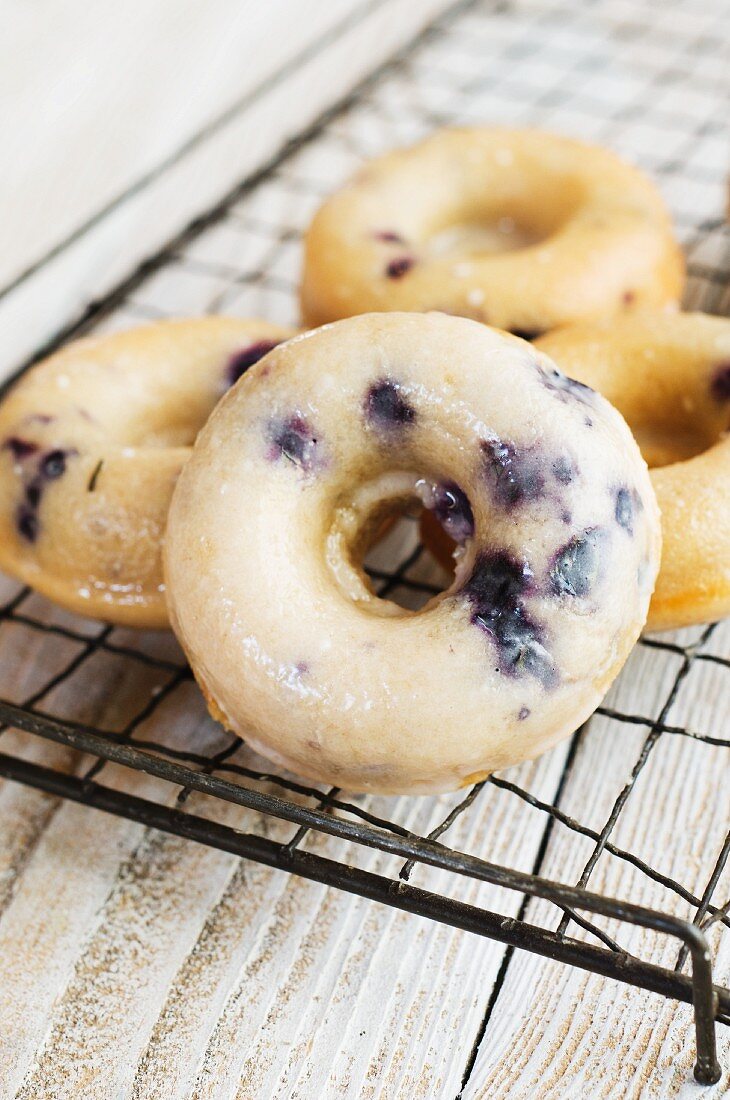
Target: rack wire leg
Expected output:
[707,1068]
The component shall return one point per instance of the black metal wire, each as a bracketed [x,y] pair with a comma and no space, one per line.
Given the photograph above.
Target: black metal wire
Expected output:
[449,60]
[642,759]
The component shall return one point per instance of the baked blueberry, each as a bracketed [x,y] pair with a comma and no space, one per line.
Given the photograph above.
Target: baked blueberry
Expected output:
[628,503]
[293,439]
[720,385]
[240,361]
[576,565]
[514,473]
[523,652]
[496,591]
[498,583]
[20,448]
[397,268]
[386,407]
[567,389]
[33,492]
[26,520]
[624,510]
[563,469]
[453,511]
[53,464]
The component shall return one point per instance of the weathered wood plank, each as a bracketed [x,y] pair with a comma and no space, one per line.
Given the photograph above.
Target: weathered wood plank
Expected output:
[178,971]
[159,969]
[264,980]
[558,1032]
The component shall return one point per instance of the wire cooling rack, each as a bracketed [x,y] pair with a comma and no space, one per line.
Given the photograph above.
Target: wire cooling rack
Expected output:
[654,89]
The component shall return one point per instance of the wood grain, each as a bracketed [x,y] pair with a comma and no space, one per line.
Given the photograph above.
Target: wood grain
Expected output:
[138,965]
[200,976]
[161,969]
[558,1032]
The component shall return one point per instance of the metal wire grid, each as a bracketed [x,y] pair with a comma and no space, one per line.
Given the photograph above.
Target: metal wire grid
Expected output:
[604,72]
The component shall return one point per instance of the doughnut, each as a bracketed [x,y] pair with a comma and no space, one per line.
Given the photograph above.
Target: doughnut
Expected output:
[669,375]
[520,229]
[292,648]
[91,443]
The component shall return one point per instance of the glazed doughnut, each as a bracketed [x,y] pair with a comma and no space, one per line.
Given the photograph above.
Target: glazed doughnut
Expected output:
[669,375]
[519,229]
[288,641]
[91,443]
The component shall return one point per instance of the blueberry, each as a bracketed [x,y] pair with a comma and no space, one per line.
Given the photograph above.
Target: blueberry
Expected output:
[575,567]
[33,493]
[563,469]
[240,361]
[498,583]
[294,440]
[720,385]
[528,334]
[628,503]
[387,236]
[396,269]
[522,651]
[53,464]
[624,510]
[453,511]
[20,448]
[496,591]
[27,522]
[515,474]
[385,406]
[566,389]
[524,712]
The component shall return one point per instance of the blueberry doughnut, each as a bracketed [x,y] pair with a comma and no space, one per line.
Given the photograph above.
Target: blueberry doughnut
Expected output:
[669,375]
[519,229]
[288,641]
[91,443]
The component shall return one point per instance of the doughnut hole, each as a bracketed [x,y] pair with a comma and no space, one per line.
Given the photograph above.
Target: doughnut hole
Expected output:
[509,219]
[672,420]
[180,431]
[668,373]
[172,417]
[93,440]
[509,215]
[658,374]
[371,538]
[462,240]
[440,544]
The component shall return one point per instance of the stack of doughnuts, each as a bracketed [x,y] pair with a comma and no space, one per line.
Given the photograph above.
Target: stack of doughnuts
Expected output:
[227,476]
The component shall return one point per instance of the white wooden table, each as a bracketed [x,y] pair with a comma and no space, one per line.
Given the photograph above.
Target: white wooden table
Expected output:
[135,964]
